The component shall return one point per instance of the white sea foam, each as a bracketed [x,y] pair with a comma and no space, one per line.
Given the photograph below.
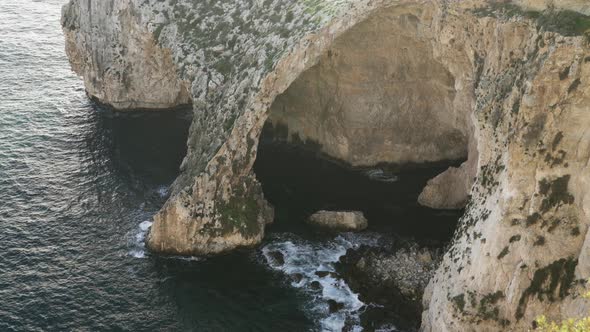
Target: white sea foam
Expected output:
[138,239]
[162,191]
[378,174]
[137,253]
[187,258]
[302,259]
[137,243]
[145,226]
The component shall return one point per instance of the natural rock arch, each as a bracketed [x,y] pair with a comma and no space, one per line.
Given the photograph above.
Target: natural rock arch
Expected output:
[447,138]
[522,77]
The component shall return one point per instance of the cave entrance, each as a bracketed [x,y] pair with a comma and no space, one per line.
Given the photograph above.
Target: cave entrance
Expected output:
[367,127]
[299,182]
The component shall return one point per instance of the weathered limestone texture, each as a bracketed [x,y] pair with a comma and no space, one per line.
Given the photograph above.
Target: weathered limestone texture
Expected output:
[504,86]
[120,60]
[411,111]
[339,220]
[394,277]
[448,190]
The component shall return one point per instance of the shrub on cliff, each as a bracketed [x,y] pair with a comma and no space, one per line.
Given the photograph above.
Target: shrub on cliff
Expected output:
[569,325]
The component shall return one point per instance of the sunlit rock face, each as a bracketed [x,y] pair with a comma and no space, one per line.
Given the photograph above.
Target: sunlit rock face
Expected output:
[503,87]
[339,220]
[121,62]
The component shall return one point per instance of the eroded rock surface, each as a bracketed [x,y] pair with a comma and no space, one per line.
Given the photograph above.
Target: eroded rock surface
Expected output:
[394,278]
[448,190]
[121,62]
[411,110]
[339,220]
[510,91]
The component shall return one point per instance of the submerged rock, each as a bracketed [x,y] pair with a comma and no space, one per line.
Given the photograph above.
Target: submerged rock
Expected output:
[339,220]
[323,274]
[335,306]
[296,277]
[276,258]
[315,285]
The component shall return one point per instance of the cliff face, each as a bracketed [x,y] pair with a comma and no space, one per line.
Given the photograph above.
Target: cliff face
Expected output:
[365,82]
[119,59]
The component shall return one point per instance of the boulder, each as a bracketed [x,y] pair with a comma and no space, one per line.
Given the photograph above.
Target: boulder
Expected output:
[339,220]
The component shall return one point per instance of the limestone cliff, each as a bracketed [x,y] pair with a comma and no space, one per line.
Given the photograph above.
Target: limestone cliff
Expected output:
[120,60]
[501,84]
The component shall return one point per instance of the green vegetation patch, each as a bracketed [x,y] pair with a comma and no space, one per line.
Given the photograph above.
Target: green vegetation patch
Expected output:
[532,219]
[503,253]
[459,302]
[240,213]
[555,192]
[507,10]
[550,282]
[575,231]
[487,306]
[565,22]
[556,140]
[539,241]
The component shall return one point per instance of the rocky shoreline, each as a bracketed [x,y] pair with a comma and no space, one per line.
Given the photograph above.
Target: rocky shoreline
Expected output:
[388,273]
[392,278]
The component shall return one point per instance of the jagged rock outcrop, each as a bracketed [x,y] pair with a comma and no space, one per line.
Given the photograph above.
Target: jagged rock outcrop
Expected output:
[394,277]
[450,189]
[510,92]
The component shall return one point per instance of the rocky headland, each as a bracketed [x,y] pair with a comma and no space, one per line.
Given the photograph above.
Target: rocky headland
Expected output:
[503,85]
